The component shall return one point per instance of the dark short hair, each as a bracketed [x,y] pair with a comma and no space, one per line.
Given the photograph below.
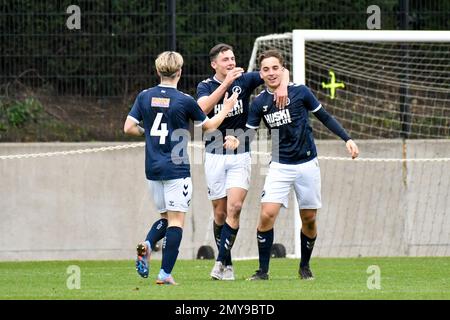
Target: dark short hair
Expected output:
[269,54]
[218,48]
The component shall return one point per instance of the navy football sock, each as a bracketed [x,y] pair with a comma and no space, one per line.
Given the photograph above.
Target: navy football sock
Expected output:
[157,232]
[265,241]
[217,234]
[171,244]
[228,261]
[227,237]
[307,246]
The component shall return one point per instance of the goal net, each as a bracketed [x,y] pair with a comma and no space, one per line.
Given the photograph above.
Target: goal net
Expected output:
[382,87]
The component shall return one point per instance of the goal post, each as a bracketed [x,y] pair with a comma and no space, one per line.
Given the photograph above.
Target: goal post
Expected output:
[375,67]
[281,38]
[300,36]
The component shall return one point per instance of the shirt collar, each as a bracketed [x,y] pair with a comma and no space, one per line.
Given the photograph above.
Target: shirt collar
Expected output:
[167,86]
[215,79]
[268,91]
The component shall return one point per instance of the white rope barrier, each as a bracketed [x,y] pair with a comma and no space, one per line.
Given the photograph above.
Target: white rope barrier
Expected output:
[200,146]
[72,152]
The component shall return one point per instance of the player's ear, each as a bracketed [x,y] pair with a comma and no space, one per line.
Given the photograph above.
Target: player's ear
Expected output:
[213,64]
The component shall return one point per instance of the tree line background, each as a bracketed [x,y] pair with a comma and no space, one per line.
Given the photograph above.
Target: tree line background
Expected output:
[113,52]
[58,84]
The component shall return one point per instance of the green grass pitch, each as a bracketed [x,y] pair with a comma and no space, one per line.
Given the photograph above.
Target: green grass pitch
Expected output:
[343,278]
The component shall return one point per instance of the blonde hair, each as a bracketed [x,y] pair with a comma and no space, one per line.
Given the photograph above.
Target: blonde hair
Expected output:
[168,63]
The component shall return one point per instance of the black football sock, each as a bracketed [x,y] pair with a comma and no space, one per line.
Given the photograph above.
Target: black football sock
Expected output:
[265,241]
[307,246]
[227,237]
[171,244]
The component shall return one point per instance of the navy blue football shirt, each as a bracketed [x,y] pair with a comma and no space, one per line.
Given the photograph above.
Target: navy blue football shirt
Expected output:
[165,112]
[292,137]
[237,118]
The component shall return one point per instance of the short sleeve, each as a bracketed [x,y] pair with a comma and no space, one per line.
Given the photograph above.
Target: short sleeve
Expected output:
[135,112]
[196,113]
[253,79]
[254,116]
[310,100]
[203,90]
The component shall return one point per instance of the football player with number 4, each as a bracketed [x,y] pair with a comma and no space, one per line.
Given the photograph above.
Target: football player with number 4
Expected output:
[166,112]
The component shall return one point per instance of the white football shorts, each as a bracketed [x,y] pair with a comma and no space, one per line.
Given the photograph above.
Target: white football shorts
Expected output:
[304,177]
[171,195]
[225,171]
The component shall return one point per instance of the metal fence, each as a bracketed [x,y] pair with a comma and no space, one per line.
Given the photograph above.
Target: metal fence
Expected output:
[112,53]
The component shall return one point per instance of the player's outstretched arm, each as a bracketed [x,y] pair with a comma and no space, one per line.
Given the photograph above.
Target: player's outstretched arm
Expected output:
[281,93]
[228,105]
[334,126]
[207,103]
[132,128]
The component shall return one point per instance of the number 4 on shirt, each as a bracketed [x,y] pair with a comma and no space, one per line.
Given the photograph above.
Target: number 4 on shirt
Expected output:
[156,132]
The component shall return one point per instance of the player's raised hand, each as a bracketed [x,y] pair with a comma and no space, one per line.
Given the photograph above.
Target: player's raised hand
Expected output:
[280,97]
[352,148]
[231,142]
[228,103]
[233,75]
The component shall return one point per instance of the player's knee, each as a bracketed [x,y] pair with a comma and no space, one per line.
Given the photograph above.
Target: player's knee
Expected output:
[310,226]
[266,221]
[235,208]
[309,221]
[268,216]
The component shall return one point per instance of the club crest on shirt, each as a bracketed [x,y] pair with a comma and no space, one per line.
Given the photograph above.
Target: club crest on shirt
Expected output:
[160,102]
[237,89]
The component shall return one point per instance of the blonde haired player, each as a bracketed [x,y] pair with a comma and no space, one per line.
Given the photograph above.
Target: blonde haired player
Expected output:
[166,113]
